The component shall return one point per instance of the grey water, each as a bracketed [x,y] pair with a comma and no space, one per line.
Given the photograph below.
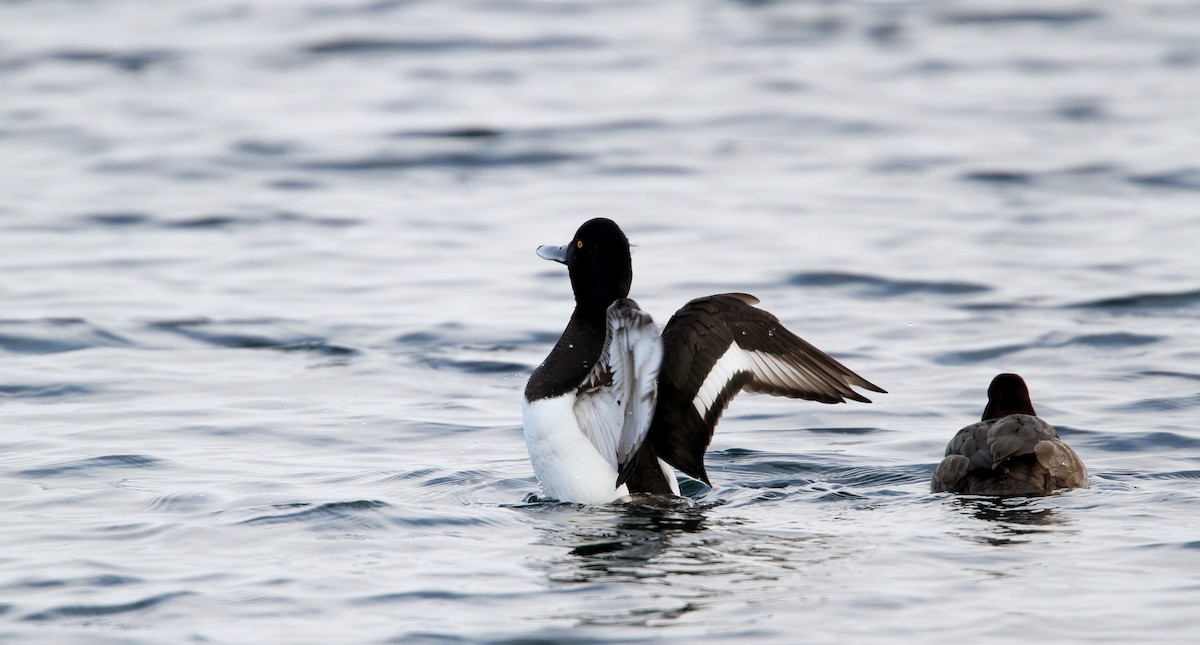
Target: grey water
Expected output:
[268,300]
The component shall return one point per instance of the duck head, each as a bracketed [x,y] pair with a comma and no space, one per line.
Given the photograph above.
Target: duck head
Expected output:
[1007,395]
[598,262]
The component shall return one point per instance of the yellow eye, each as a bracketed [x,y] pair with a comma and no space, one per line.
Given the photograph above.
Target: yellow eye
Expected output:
[579,244]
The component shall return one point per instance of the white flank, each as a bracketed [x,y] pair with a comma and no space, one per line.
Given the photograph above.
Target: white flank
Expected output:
[576,442]
[567,464]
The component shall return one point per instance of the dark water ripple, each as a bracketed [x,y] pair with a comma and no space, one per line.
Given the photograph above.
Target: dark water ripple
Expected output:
[881,287]
[402,597]
[127,61]
[1169,300]
[465,160]
[319,347]
[751,470]
[476,366]
[1090,176]
[1135,442]
[88,467]
[357,515]
[106,580]
[47,391]
[133,220]
[538,637]
[117,219]
[1180,474]
[251,334]
[54,335]
[261,148]
[67,612]
[1161,404]
[1112,340]
[569,135]
[1048,17]
[835,430]
[1004,177]
[228,334]
[1181,375]
[986,355]
[1115,340]
[364,45]
[878,476]
[1179,179]
[569,132]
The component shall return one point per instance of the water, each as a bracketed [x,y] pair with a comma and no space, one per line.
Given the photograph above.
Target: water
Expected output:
[270,298]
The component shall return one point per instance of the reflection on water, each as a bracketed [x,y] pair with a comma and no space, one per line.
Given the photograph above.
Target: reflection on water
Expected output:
[1012,520]
[628,559]
[645,565]
[622,541]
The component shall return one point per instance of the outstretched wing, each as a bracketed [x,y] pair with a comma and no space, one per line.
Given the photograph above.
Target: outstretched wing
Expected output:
[715,347]
[616,401]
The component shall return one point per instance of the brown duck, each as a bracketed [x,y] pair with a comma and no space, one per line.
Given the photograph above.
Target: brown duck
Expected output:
[1010,452]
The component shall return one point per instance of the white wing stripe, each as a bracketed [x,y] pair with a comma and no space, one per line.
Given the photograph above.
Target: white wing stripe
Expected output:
[770,369]
[722,372]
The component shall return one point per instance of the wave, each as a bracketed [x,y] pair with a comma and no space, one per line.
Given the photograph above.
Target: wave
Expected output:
[1146,441]
[1178,179]
[54,335]
[357,515]
[1114,340]
[478,159]
[1049,17]
[91,611]
[879,286]
[251,334]
[120,219]
[480,132]
[1185,178]
[370,45]
[131,61]
[84,467]
[1149,300]
[46,391]
[1162,404]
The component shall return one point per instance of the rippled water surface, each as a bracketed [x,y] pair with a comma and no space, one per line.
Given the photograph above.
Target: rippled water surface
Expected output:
[268,299]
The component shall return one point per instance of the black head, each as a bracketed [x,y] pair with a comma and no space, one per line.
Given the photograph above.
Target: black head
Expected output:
[597,259]
[1007,395]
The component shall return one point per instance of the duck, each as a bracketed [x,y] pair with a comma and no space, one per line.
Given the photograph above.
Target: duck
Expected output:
[617,406]
[1010,452]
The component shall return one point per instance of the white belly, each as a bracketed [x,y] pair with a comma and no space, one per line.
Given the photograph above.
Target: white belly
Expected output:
[567,464]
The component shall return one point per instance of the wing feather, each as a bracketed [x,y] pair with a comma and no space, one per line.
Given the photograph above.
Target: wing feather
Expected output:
[616,402]
[719,345]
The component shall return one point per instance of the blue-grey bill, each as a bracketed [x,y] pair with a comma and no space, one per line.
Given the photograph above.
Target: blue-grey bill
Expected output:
[556,253]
